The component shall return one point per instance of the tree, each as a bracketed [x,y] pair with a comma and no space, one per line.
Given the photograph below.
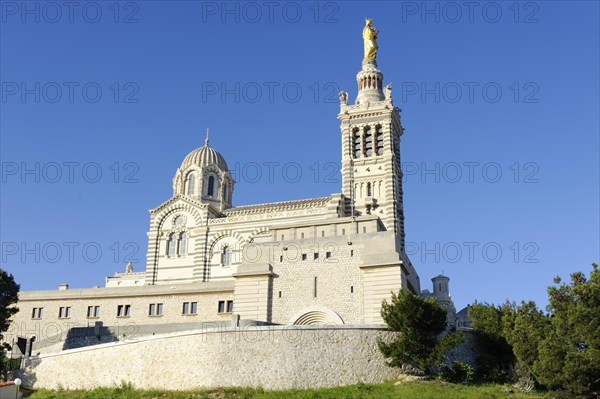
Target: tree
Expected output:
[524,329]
[9,294]
[560,349]
[495,355]
[569,356]
[420,323]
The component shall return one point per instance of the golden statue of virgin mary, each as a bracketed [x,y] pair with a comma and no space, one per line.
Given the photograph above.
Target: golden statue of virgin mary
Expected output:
[370,40]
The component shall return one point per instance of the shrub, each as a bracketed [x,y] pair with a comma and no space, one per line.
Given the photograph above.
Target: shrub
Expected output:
[459,373]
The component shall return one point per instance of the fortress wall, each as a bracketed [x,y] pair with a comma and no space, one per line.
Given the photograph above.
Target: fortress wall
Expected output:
[274,357]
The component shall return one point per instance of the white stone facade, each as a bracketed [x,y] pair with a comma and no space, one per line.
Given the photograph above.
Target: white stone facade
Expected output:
[329,260]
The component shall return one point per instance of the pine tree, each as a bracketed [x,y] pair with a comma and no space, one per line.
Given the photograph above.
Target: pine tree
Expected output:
[9,294]
[569,357]
[420,323]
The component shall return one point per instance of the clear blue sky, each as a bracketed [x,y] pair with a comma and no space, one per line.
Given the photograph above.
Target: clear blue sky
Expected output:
[502,87]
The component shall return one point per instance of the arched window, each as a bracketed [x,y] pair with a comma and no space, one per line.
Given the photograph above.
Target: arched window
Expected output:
[182,248]
[172,245]
[379,139]
[211,186]
[368,142]
[369,191]
[356,141]
[190,183]
[226,256]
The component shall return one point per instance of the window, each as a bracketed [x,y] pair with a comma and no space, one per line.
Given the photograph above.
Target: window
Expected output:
[351,252]
[211,186]
[343,232]
[123,310]
[93,312]
[190,308]
[172,245]
[352,289]
[328,255]
[322,233]
[379,140]
[37,313]
[356,143]
[281,258]
[368,142]
[226,256]
[303,256]
[190,184]
[316,256]
[301,235]
[279,294]
[177,244]
[369,191]
[282,237]
[182,247]
[225,306]
[64,312]
[155,309]
[315,288]
[364,229]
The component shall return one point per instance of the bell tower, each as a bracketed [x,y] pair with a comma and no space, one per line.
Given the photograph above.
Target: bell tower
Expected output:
[371,131]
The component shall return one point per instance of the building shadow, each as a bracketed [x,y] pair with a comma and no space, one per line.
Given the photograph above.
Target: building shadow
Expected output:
[79,337]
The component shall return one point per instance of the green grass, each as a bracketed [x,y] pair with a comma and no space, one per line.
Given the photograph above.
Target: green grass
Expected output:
[406,390]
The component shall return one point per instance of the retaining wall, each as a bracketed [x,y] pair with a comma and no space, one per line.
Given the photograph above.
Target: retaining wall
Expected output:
[273,357]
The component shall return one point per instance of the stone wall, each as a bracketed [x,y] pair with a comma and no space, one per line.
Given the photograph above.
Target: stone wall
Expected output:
[274,357]
[466,351]
[333,282]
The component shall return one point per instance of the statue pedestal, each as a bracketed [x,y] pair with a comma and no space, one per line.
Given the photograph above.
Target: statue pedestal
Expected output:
[369,62]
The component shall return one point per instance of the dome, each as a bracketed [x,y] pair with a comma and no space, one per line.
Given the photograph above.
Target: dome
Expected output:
[205,177]
[204,156]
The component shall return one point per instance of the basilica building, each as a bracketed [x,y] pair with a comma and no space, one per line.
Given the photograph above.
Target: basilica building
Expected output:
[309,261]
